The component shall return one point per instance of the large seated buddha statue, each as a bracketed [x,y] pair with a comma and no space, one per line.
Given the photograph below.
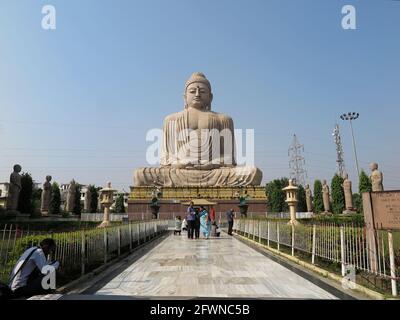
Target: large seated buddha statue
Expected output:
[198,146]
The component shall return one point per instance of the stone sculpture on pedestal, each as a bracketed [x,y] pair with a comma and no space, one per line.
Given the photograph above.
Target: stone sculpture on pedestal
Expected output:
[308,198]
[107,199]
[46,196]
[376,177]
[291,200]
[326,197]
[14,188]
[71,197]
[348,195]
[87,201]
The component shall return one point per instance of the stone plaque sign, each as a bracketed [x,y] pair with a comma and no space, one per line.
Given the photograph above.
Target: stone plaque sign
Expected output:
[386,210]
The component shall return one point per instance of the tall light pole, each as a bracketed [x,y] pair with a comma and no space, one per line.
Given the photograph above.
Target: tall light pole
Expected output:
[350,116]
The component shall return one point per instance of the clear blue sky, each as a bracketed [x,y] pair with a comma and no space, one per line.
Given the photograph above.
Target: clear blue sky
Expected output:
[77,102]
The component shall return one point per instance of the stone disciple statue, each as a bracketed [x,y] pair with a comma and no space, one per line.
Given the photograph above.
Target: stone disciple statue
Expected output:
[88,197]
[348,194]
[326,196]
[46,195]
[71,197]
[14,189]
[376,177]
[198,146]
[308,198]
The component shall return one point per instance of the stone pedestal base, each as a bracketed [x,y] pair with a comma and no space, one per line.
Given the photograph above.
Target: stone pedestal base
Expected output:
[170,203]
[349,212]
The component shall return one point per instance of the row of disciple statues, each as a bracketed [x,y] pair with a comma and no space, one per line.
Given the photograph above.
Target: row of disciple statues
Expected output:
[376,179]
[15,186]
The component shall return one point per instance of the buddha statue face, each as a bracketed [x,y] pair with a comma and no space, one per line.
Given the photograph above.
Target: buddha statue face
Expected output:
[198,95]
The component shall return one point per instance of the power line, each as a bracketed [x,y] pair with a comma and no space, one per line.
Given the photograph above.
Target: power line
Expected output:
[297,172]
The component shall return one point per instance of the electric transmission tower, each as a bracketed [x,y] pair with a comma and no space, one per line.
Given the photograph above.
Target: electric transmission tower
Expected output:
[339,150]
[296,163]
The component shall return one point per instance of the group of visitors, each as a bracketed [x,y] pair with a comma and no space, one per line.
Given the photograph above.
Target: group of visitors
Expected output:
[201,221]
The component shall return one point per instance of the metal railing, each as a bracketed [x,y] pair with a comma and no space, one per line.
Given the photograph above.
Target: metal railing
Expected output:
[345,244]
[79,251]
[100,216]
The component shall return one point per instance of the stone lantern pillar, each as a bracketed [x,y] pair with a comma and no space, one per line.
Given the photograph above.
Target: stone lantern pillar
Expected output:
[106,199]
[291,200]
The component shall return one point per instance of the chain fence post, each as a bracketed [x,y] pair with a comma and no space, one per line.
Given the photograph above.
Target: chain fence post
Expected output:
[342,251]
[83,253]
[105,245]
[392,264]
[313,244]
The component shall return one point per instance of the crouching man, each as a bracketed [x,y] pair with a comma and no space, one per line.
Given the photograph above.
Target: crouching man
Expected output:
[27,275]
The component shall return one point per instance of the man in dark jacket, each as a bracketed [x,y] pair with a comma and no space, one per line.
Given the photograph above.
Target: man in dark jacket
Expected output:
[190,219]
[197,224]
[230,215]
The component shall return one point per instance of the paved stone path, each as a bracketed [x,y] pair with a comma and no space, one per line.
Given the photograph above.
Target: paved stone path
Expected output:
[220,267]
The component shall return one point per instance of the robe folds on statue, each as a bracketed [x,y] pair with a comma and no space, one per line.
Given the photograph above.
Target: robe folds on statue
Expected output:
[213,145]
[221,177]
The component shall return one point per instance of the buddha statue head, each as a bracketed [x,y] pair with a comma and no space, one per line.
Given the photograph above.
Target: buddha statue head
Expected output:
[198,92]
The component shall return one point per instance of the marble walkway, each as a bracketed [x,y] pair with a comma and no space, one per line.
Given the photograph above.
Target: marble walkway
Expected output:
[220,267]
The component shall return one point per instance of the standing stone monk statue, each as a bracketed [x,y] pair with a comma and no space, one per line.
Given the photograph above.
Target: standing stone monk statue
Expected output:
[348,194]
[326,196]
[87,201]
[71,197]
[198,146]
[14,189]
[308,198]
[46,195]
[376,177]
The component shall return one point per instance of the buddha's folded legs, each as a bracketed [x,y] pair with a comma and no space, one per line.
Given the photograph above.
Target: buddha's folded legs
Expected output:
[221,177]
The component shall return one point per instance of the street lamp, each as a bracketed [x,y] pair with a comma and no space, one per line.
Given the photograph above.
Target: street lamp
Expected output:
[350,116]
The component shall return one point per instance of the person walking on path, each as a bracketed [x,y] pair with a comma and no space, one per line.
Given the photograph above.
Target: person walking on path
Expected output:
[230,216]
[212,214]
[197,224]
[205,223]
[190,219]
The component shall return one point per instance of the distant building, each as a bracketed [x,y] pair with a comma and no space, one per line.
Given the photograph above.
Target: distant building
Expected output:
[4,186]
[84,188]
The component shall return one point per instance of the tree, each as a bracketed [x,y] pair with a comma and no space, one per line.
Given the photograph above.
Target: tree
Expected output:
[36,201]
[364,185]
[25,201]
[119,203]
[94,199]
[77,205]
[318,200]
[55,200]
[338,203]
[301,197]
[276,196]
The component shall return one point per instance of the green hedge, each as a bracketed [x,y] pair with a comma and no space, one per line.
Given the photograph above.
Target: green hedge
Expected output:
[53,226]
